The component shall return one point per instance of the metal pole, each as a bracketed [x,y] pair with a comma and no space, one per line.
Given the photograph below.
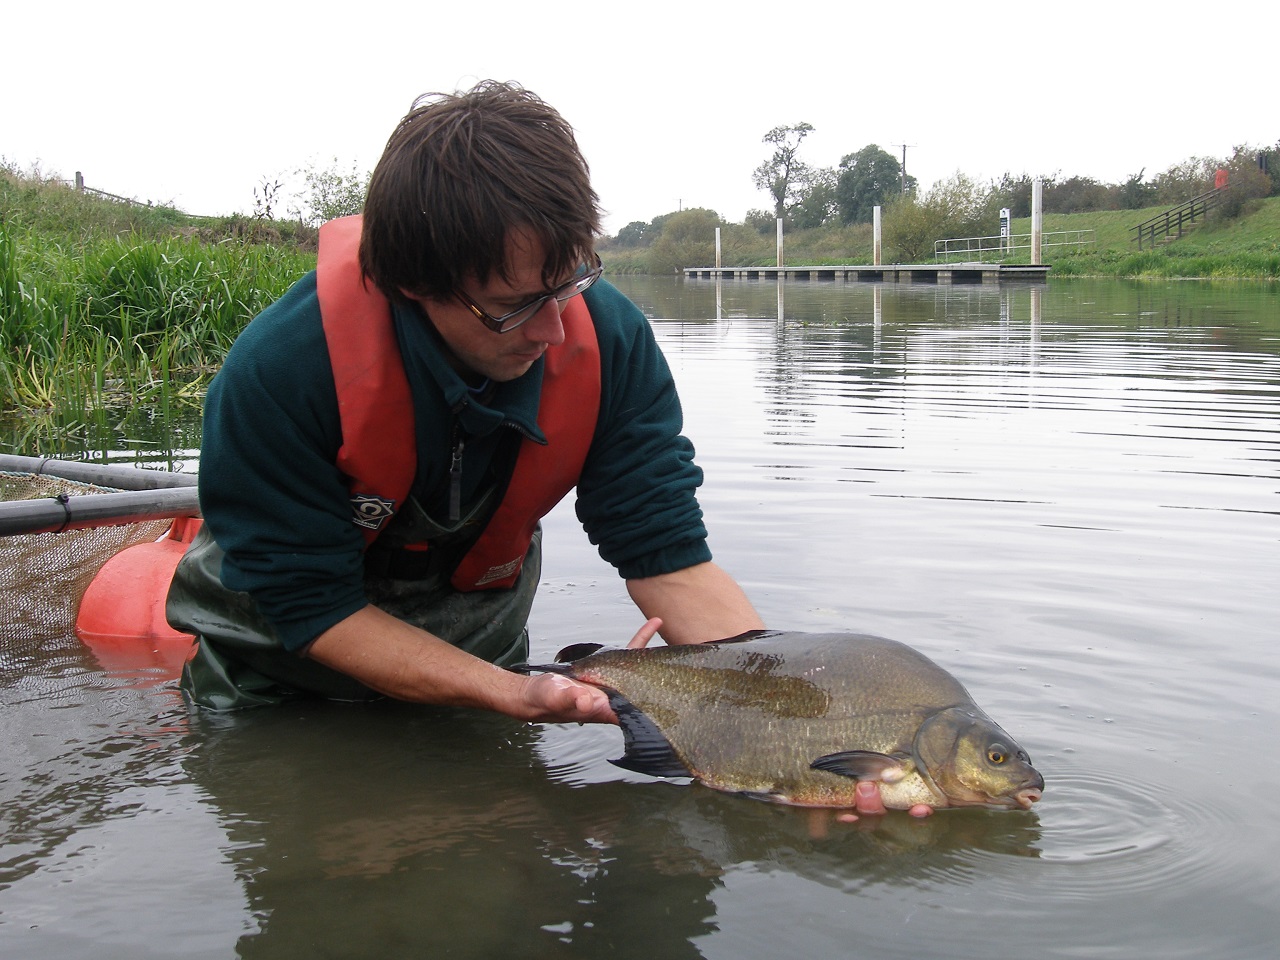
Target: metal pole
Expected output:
[875,235]
[118,475]
[1037,219]
[45,514]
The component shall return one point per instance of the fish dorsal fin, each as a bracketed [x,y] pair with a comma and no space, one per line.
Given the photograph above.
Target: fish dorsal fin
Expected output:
[864,765]
[576,651]
[749,635]
[648,751]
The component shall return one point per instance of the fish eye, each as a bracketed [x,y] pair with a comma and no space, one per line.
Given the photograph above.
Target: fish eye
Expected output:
[997,754]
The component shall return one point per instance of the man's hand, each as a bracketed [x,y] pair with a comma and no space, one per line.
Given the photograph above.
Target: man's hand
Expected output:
[551,698]
[645,633]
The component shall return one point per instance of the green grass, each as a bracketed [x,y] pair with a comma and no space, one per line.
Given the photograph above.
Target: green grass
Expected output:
[104,303]
[1246,247]
[107,304]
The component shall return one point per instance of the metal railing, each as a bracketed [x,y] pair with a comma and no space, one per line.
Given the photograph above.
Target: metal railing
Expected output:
[999,249]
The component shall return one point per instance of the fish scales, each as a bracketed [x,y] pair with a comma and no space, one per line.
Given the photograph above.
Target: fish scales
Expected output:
[753,715]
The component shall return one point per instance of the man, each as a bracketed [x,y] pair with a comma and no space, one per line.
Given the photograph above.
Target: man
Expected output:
[382,441]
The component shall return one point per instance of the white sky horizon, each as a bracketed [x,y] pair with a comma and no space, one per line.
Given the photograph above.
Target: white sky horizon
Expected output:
[199,107]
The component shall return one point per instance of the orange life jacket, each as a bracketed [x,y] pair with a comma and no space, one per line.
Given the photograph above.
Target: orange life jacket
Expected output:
[378,453]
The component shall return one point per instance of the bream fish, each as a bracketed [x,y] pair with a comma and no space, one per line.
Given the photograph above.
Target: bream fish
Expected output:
[799,718]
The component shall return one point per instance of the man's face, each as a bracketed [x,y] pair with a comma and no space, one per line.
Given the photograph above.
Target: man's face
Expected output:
[500,356]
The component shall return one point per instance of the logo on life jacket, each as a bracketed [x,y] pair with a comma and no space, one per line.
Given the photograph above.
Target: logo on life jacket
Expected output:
[370,511]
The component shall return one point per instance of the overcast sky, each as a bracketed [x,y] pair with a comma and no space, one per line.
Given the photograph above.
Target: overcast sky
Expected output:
[198,104]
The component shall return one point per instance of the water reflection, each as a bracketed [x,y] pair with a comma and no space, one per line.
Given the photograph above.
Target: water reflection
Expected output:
[434,831]
[1066,495]
[451,816]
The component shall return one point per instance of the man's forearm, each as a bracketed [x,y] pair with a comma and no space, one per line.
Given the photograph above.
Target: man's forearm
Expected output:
[404,662]
[697,604]
[407,663]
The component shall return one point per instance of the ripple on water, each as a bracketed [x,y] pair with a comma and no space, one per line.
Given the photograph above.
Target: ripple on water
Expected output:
[1095,833]
[1101,832]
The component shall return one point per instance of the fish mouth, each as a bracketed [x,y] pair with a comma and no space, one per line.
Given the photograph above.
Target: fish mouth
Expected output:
[1027,796]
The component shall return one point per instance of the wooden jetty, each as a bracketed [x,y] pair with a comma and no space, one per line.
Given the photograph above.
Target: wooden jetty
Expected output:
[936,273]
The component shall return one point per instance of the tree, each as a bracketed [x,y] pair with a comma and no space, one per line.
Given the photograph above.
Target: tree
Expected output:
[784,175]
[1247,181]
[1078,195]
[688,239]
[1185,180]
[332,193]
[868,179]
[816,204]
[761,221]
[951,209]
[909,230]
[1015,193]
[1269,163]
[1133,194]
[634,234]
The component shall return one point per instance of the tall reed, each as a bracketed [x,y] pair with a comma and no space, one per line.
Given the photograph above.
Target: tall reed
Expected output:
[126,319]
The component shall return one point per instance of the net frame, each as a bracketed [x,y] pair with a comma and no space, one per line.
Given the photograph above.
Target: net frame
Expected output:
[43,576]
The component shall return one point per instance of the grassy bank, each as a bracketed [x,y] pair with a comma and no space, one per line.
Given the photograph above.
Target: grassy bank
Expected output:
[105,303]
[1246,247]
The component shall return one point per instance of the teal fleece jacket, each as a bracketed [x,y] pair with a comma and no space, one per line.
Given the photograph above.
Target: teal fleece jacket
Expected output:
[278,506]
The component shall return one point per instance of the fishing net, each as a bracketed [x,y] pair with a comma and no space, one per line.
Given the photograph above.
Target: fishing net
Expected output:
[44,575]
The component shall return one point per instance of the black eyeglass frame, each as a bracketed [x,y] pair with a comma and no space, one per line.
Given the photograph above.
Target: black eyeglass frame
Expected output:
[571,288]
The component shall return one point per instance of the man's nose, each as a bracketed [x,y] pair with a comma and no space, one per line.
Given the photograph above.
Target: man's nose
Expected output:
[545,326]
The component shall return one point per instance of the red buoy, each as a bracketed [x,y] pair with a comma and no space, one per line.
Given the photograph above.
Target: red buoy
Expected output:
[121,617]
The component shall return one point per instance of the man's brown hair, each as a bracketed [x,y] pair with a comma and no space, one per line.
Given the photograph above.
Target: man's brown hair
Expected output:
[458,173]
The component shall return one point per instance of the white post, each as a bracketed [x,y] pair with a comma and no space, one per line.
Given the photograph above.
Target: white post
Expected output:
[1037,219]
[717,251]
[779,245]
[875,235]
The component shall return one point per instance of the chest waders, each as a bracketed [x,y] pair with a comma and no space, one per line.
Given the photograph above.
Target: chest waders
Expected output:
[240,662]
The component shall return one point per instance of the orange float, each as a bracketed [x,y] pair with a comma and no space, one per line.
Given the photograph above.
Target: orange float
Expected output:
[121,617]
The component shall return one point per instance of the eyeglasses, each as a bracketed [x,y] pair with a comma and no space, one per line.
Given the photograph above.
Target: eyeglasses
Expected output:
[580,281]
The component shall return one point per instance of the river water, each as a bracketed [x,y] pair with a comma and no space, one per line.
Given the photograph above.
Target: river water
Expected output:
[1064,494]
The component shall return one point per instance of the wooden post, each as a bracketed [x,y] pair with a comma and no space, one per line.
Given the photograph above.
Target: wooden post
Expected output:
[717,251]
[875,234]
[780,248]
[1037,220]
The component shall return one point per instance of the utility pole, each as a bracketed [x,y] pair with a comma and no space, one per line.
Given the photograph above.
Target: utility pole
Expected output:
[903,174]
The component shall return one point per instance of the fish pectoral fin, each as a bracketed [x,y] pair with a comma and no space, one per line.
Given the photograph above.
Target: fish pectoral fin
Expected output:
[648,750]
[865,765]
